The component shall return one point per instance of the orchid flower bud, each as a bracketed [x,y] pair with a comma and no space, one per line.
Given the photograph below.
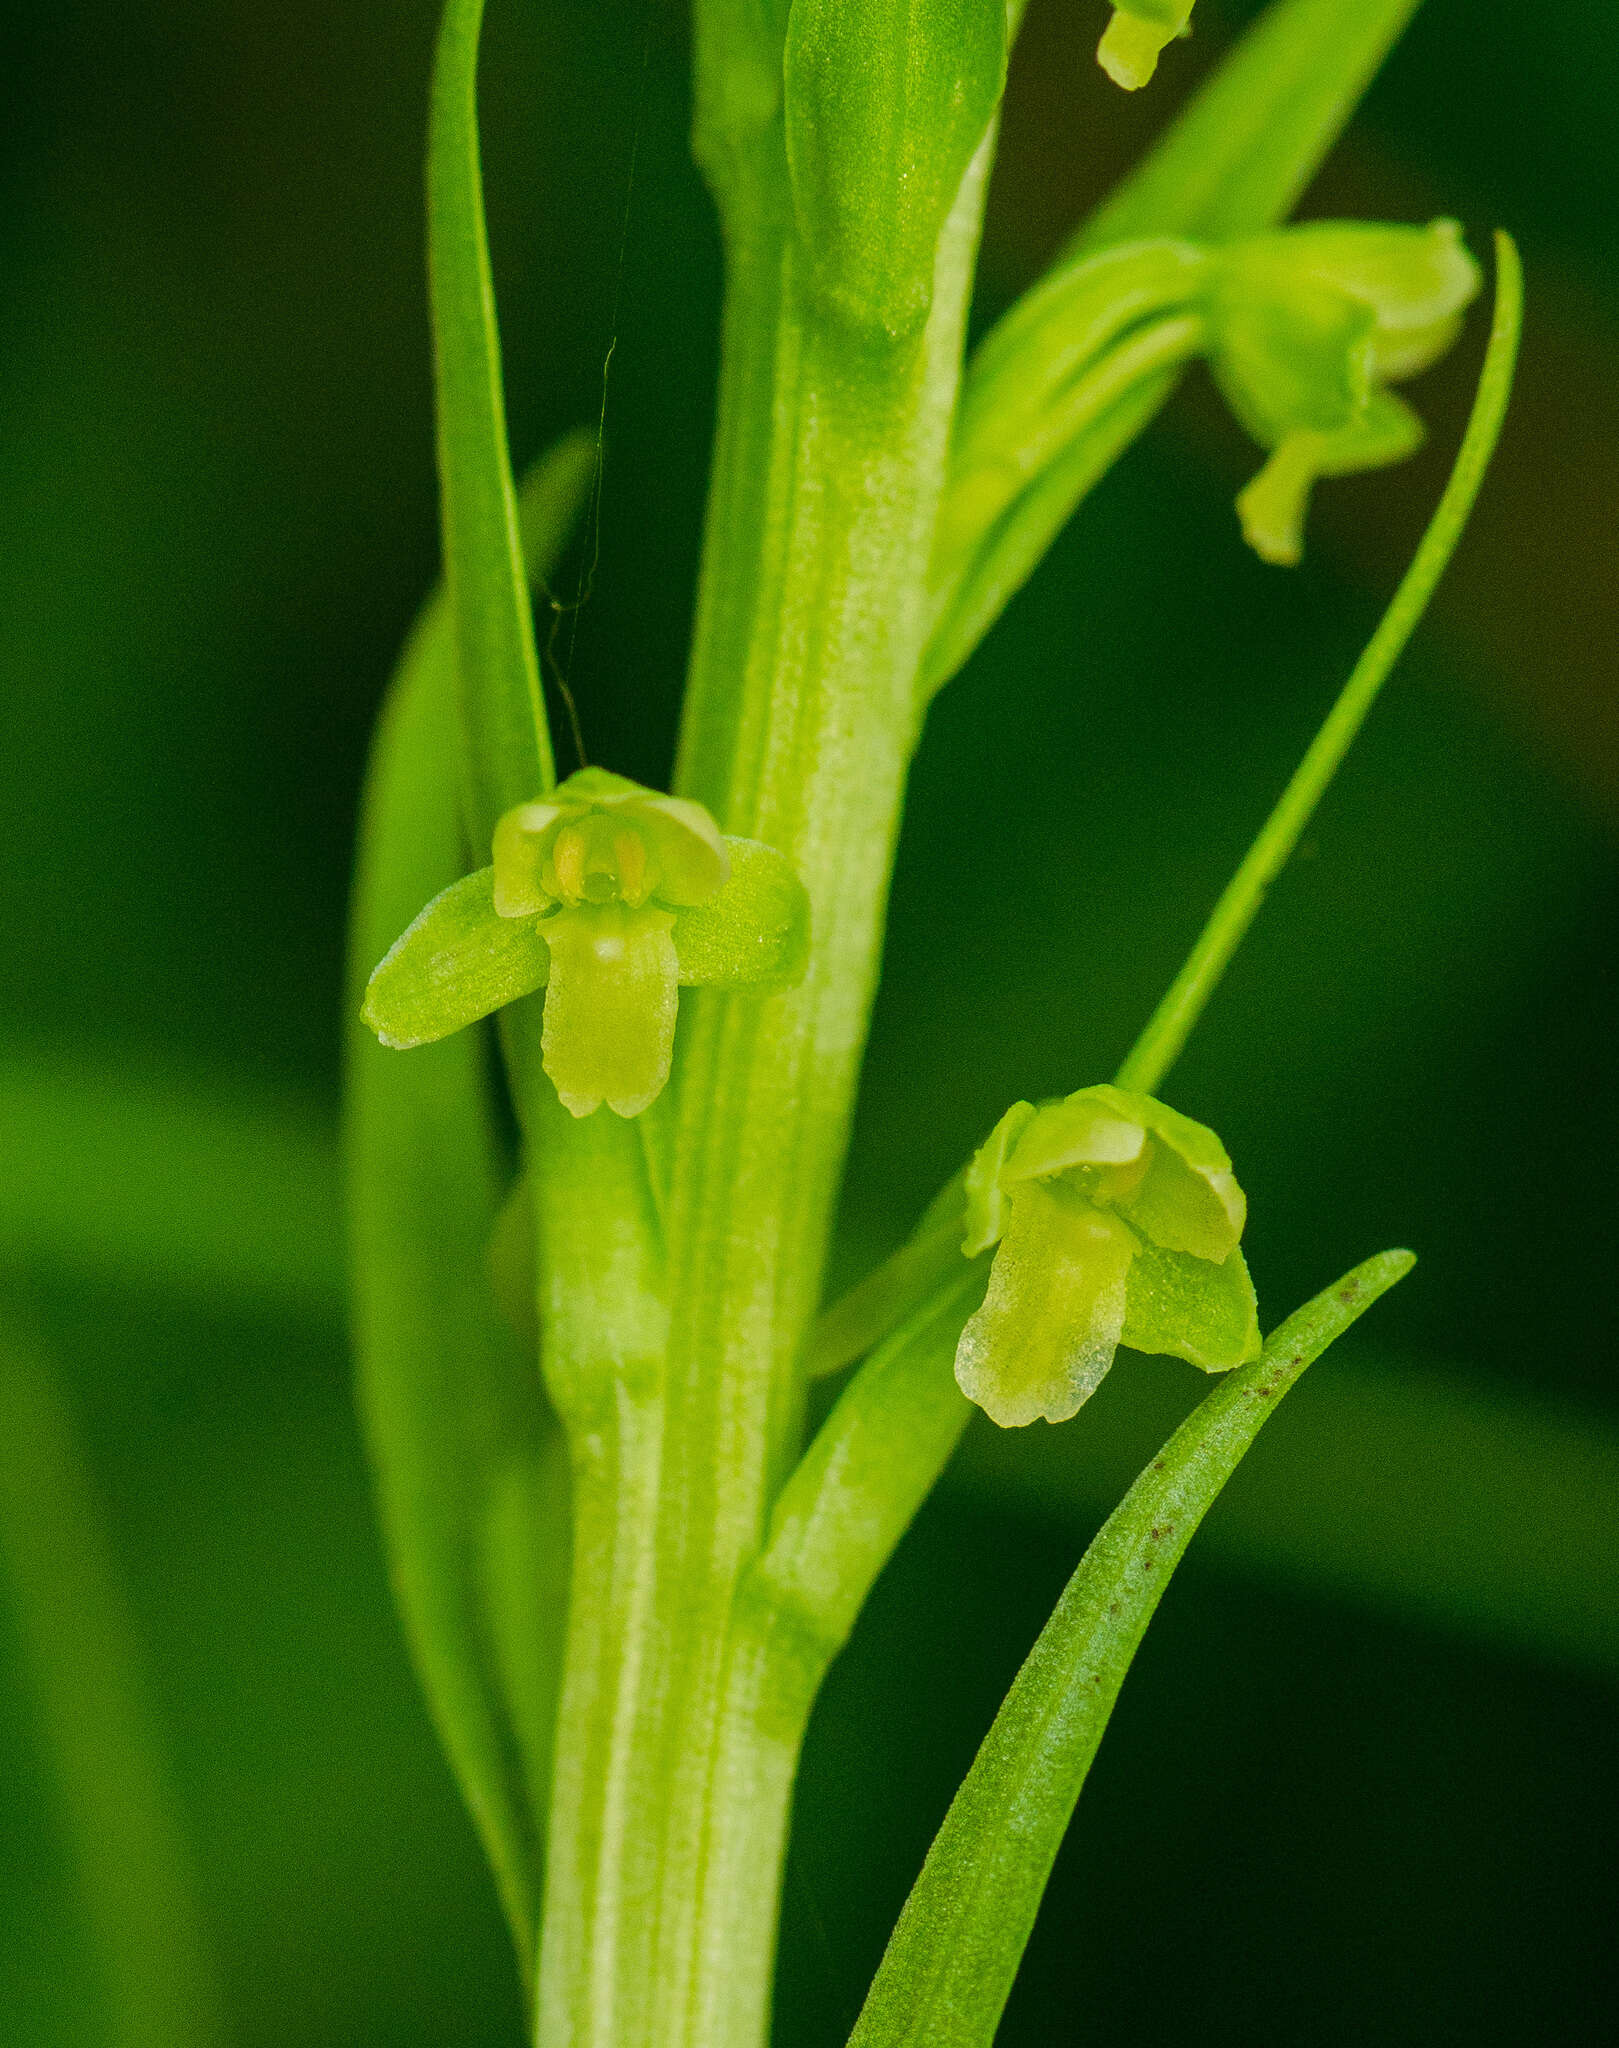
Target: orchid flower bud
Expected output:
[1132,40]
[1308,327]
[1117,1220]
[609,896]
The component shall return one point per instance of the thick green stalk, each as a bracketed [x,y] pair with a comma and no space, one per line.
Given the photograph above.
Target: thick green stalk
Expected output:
[660,1915]
[834,1528]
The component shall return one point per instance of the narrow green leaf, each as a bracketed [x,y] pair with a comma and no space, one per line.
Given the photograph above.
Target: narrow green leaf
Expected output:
[449,1398]
[507,741]
[82,1667]
[930,1260]
[467,1453]
[955,1950]
[1434,1494]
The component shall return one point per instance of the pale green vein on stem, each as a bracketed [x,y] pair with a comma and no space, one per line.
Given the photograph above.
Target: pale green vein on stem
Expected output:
[1171,1023]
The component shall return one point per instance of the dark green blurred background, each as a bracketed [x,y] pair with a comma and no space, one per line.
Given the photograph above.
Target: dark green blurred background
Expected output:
[1362,1785]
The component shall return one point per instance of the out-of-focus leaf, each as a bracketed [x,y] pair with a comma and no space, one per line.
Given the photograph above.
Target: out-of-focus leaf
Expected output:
[82,1667]
[470,1481]
[1456,1504]
[955,1951]
[168,1178]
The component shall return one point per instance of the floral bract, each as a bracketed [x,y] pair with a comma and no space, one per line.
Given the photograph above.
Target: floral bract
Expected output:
[1118,1221]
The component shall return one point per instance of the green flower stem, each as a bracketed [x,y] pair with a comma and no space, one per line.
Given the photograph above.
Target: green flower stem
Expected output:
[835,1526]
[1171,1023]
[927,1262]
[1092,424]
[798,732]
[605,1328]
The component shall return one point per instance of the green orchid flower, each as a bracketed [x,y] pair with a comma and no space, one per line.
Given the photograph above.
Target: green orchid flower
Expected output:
[609,896]
[1309,327]
[1117,1221]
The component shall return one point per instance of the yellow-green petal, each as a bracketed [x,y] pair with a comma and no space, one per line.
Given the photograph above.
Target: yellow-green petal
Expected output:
[523,838]
[1132,40]
[754,933]
[1053,1315]
[459,961]
[1273,505]
[985,1195]
[1093,1127]
[1186,1307]
[688,854]
[610,1006]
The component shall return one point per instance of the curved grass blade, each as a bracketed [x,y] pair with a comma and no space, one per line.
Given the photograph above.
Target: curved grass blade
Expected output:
[950,1964]
[471,1481]
[1171,1023]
